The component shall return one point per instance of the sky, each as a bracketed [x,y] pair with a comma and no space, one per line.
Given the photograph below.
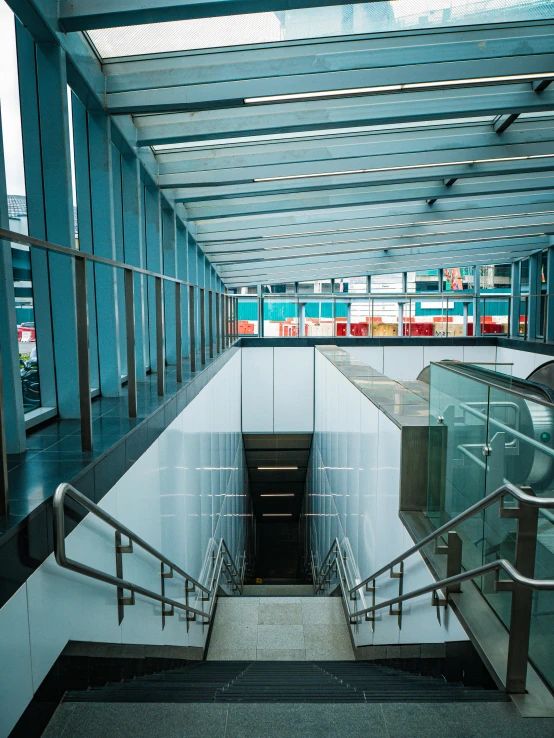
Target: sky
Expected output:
[9,104]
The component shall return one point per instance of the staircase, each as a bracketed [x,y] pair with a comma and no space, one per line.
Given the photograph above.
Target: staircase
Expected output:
[280,628]
[327,682]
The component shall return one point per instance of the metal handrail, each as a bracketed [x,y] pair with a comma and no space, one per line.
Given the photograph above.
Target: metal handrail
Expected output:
[191,584]
[520,582]
[505,489]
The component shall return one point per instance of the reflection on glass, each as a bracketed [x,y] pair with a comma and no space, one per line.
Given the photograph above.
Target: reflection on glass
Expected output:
[319,287]
[17,210]
[423,281]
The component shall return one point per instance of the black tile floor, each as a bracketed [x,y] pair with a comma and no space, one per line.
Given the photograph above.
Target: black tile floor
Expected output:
[54,452]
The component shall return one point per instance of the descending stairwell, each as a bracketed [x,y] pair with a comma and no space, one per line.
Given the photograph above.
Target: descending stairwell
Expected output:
[285,682]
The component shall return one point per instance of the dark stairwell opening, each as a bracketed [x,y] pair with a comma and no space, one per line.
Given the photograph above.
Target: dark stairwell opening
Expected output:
[277,466]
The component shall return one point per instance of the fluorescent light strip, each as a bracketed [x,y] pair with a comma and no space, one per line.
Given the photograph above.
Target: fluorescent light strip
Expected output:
[404,168]
[284,494]
[354,91]
[277,515]
[277,468]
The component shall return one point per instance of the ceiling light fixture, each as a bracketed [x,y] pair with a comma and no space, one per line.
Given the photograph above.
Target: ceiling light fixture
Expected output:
[277,515]
[284,494]
[355,91]
[277,468]
[404,168]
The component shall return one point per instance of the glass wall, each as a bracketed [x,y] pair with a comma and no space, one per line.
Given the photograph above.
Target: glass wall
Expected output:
[469,415]
[17,211]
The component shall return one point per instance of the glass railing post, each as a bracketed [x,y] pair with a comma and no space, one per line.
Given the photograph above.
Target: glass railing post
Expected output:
[210,324]
[83,359]
[129,283]
[522,597]
[4,496]
[178,332]
[202,326]
[192,337]
[160,337]
[217,324]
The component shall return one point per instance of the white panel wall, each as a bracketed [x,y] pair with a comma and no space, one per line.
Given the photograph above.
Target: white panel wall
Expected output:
[277,390]
[524,362]
[293,390]
[190,485]
[405,362]
[257,390]
[353,494]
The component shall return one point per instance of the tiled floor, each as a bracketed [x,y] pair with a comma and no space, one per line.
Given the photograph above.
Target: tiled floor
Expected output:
[54,451]
[280,629]
[393,720]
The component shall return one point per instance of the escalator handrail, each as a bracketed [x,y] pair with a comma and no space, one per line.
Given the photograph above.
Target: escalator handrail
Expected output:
[503,491]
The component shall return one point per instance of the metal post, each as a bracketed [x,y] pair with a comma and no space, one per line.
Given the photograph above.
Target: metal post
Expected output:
[4,495]
[454,560]
[210,324]
[129,281]
[178,332]
[476,300]
[217,324]
[83,359]
[516,291]
[160,337]
[465,307]
[302,321]
[192,330]
[534,296]
[400,318]
[348,318]
[202,326]
[549,320]
[225,321]
[522,597]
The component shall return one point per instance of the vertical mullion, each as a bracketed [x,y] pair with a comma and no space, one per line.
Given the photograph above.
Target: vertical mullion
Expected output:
[160,336]
[103,231]
[83,353]
[169,242]
[59,220]
[202,293]
[129,281]
[178,332]
[210,324]
[192,338]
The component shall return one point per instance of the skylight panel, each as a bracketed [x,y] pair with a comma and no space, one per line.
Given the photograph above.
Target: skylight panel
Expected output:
[324,22]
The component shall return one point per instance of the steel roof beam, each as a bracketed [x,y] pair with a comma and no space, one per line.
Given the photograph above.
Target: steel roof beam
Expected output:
[83,15]
[422,166]
[532,224]
[212,96]
[253,157]
[287,224]
[372,53]
[386,266]
[377,252]
[390,109]
[391,261]
[480,186]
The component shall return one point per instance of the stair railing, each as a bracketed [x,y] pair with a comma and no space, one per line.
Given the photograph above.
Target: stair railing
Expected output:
[222,564]
[520,581]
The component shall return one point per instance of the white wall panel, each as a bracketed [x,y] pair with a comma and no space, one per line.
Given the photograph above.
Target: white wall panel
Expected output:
[372,355]
[257,390]
[476,354]
[16,684]
[403,362]
[353,494]
[293,390]
[194,467]
[438,353]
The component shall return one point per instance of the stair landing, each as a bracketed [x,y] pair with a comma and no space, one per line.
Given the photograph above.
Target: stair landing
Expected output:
[280,629]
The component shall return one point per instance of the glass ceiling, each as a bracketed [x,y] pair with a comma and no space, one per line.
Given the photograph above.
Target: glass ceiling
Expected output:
[342,20]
